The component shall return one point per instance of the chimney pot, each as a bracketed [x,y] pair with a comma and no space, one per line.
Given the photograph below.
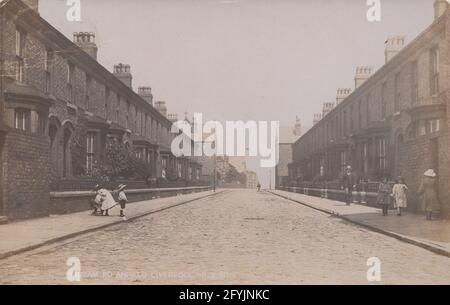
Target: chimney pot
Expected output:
[146,94]
[123,73]
[394,45]
[86,42]
[317,118]
[173,117]
[363,73]
[161,107]
[298,127]
[327,107]
[342,94]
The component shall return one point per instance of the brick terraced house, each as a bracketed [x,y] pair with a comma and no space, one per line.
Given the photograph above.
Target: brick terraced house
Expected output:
[395,122]
[58,103]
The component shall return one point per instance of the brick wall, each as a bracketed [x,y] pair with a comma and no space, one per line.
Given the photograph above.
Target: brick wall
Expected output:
[26,175]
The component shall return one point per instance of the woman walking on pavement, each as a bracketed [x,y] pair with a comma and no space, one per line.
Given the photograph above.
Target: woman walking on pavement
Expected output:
[400,192]
[384,194]
[428,190]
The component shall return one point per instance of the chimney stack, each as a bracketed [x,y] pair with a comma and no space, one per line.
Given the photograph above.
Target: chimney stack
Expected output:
[161,107]
[393,45]
[362,74]
[173,117]
[86,41]
[317,118]
[342,94]
[297,127]
[33,4]
[123,73]
[327,107]
[146,94]
[440,6]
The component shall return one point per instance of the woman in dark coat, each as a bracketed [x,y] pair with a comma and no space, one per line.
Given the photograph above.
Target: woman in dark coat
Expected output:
[428,191]
[384,196]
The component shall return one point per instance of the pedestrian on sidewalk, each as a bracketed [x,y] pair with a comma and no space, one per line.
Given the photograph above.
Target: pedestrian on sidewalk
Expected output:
[96,204]
[428,191]
[384,196]
[258,187]
[400,195]
[349,184]
[122,199]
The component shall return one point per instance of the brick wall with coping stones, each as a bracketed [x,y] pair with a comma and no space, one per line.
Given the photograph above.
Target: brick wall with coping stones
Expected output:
[26,166]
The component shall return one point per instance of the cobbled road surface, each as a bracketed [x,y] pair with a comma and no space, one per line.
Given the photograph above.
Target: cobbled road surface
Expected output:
[235,237]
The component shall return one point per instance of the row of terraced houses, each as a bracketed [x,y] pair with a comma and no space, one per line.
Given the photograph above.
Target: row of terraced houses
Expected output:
[56,100]
[395,122]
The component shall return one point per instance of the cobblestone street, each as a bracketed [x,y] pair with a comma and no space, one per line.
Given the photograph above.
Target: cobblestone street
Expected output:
[235,237]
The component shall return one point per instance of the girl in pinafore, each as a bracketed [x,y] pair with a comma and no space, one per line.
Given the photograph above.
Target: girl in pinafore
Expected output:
[384,194]
[400,192]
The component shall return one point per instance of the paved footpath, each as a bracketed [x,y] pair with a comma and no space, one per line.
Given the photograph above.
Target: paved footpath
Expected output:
[412,228]
[25,235]
[234,237]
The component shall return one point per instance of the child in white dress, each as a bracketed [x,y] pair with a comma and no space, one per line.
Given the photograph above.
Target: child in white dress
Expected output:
[400,194]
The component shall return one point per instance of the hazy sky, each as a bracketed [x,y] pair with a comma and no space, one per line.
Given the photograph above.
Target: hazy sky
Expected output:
[243,59]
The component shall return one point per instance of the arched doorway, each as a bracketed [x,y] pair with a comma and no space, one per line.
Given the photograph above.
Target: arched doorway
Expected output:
[54,133]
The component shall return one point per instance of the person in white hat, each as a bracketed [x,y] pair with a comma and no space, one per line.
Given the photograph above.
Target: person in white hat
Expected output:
[428,190]
[122,199]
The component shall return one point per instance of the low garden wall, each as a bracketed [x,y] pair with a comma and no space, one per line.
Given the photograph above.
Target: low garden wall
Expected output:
[77,201]
[359,197]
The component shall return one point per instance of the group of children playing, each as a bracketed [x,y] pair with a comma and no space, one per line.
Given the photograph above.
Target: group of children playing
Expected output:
[104,200]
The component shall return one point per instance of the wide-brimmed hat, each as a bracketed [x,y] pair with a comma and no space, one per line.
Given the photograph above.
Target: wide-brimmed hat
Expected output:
[430,173]
[121,186]
[97,187]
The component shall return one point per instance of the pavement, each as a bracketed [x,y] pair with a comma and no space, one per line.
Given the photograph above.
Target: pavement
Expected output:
[26,235]
[412,228]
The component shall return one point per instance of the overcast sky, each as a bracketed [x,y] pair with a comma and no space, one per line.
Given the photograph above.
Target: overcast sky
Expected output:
[243,59]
